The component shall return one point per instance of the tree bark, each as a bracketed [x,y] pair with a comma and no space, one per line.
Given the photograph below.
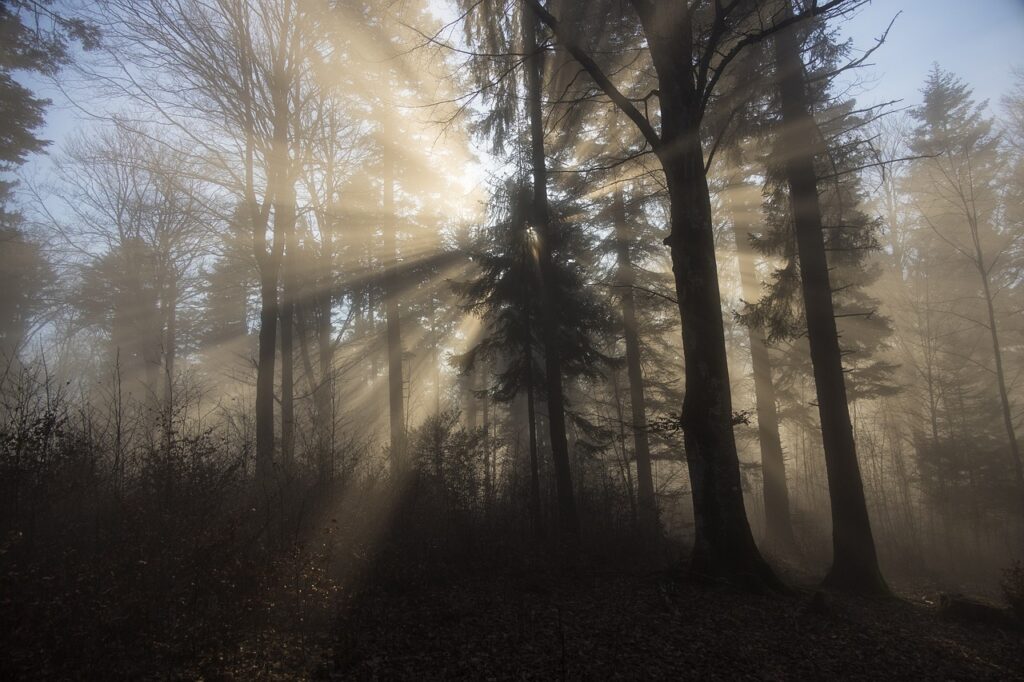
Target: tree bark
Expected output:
[854,563]
[568,521]
[268,263]
[778,524]
[531,419]
[266,359]
[170,356]
[324,392]
[392,316]
[284,220]
[489,474]
[647,506]
[997,354]
[724,547]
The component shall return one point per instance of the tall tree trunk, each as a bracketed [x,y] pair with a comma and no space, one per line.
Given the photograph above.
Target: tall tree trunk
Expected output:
[724,547]
[284,220]
[997,354]
[170,356]
[322,309]
[489,482]
[469,395]
[268,263]
[269,266]
[396,407]
[435,348]
[778,524]
[854,563]
[647,506]
[146,317]
[568,520]
[324,392]
[625,466]
[531,419]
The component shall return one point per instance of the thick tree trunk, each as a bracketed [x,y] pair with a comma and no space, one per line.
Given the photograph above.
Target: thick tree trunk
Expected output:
[778,525]
[647,506]
[396,388]
[854,564]
[723,544]
[568,520]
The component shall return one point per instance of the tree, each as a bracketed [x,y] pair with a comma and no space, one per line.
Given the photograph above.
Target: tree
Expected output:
[854,562]
[504,296]
[27,277]
[38,45]
[541,223]
[497,31]
[626,280]
[744,214]
[248,67]
[709,38]
[956,182]
[138,225]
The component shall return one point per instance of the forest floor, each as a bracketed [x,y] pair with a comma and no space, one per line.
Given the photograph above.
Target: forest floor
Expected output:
[656,626]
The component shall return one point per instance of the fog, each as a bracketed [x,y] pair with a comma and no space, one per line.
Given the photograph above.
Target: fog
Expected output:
[328,324]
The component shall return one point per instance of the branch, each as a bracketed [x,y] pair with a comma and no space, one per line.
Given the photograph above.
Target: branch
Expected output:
[650,292]
[753,38]
[595,72]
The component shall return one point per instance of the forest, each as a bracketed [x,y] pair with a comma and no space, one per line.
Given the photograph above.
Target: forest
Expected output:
[507,339]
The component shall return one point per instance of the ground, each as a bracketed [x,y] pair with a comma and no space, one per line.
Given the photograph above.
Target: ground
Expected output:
[645,627]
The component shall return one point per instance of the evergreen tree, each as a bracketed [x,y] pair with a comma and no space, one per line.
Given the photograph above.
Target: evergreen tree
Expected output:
[957,182]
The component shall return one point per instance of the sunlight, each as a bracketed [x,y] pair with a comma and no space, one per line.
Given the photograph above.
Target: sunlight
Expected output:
[438,339]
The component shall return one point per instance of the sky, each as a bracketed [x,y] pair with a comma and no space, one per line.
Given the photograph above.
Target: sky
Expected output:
[978,40]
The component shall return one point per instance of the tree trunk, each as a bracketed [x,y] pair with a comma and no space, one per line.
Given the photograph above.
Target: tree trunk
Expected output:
[435,347]
[778,525]
[170,356]
[269,266]
[396,407]
[997,354]
[568,520]
[284,220]
[469,392]
[647,506]
[489,481]
[723,544]
[267,356]
[531,420]
[324,392]
[854,564]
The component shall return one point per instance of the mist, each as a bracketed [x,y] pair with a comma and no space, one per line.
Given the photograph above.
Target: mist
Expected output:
[480,339]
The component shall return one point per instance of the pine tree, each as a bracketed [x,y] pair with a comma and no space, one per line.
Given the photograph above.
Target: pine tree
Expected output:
[957,184]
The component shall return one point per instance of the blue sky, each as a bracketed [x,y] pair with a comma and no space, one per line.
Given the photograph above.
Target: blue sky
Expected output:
[979,40]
